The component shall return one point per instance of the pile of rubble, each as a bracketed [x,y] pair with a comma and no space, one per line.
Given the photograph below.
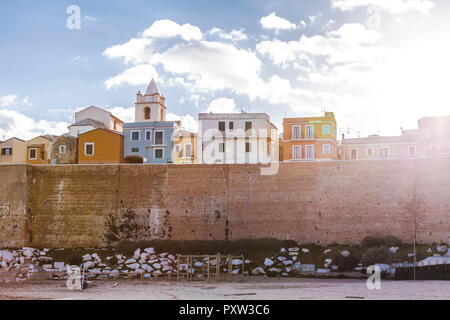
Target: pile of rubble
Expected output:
[285,263]
[13,259]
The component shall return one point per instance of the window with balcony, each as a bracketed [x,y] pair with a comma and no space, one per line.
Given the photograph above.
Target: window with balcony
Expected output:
[309,132]
[296,153]
[296,133]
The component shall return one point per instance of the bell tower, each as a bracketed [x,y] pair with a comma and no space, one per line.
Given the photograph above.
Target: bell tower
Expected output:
[151,106]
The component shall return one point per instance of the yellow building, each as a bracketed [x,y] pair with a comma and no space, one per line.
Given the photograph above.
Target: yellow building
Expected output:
[39,149]
[13,150]
[184,147]
[100,146]
[310,138]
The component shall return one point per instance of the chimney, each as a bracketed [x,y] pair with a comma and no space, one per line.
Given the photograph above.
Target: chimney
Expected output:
[343,138]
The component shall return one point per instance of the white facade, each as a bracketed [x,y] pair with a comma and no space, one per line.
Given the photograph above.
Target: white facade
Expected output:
[102,118]
[236,138]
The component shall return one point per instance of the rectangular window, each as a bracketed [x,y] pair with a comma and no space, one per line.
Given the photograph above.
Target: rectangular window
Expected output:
[296,132]
[135,135]
[42,155]
[134,149]
[221,125]
[326,149]
[248,125]
[309,152]
[231,125]
[62,149]
[384,153]
[159,137]
[309,132]
[6,151]
[32,154]
[148,135]
[158,153]
[222,147]
[370,151]
[88,149]
[188,150]
[296,152]
[247,147]
[412,151]
[353,154]
[177,148]
[326,129]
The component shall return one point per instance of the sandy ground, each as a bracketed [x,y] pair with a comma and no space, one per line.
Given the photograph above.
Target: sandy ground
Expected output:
[252,288]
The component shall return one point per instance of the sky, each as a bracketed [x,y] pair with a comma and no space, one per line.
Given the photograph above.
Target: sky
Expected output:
[379,65]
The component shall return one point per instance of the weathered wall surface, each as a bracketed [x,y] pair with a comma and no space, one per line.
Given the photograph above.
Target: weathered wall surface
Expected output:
[320,202]
[14,222]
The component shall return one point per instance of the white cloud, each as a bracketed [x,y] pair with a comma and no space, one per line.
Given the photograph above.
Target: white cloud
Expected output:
[135,76]
[136,50]
[169,29]
[222,105]
[214,66]
[8,100]
[392,6]
[15,124]
[234,35]
[188,121]
[26,101]
[272,21]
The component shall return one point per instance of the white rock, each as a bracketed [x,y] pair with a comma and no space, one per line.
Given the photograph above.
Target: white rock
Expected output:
[153,261]
[393,249]
[323,270]
[288,269]
[258,270]
[130,261]
[288,262]
[275,269]
[334,268]
[236,262]
[383,267]
[430,250]
[115,271]
[236,271]
[294,258]
[198,263]
[89,264]
[27,253]
[358,268]
[42,253]
[283,250]
[167,268]
[106,271]
[294,249]
[268,262]
[163,254]
[7,256]
[326,265]
[410,254]
[87,257]
[304,250]
[47,266]
[157,272]
[139,270]
[149,250]
[141,261]
[149,269]
[22,260]
[293,253]
[328,261]
[164,263]
[326,251]
[59,265]
[156,266]
[137,253]
[345,253]
[281,258]
[3,264]
[134,266]
[145,255]
[441,248]
[96,256]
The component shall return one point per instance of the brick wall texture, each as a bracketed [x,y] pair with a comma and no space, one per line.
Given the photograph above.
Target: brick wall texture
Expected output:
[311,202]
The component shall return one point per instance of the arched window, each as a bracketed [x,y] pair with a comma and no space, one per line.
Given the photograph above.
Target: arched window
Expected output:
[146,113]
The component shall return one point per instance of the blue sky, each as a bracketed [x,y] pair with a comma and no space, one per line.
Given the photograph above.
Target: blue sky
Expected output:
[379,65]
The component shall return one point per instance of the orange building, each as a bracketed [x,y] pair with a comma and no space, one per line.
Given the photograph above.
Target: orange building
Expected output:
[310,138]
[100,146]
[39,149]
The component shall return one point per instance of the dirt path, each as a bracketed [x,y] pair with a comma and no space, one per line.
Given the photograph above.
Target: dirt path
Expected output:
[254,288]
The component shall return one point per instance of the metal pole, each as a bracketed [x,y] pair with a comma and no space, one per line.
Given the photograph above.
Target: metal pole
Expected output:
[414,258]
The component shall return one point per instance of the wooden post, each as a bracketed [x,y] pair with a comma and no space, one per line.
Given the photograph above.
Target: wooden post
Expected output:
[208,271]
[230,268]
[243,267]
[217,269]
[178,268]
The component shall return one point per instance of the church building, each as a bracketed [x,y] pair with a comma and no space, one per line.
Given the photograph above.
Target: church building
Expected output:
[149,138]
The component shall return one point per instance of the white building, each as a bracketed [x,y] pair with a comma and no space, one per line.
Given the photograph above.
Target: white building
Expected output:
[236,138]
[92,118]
